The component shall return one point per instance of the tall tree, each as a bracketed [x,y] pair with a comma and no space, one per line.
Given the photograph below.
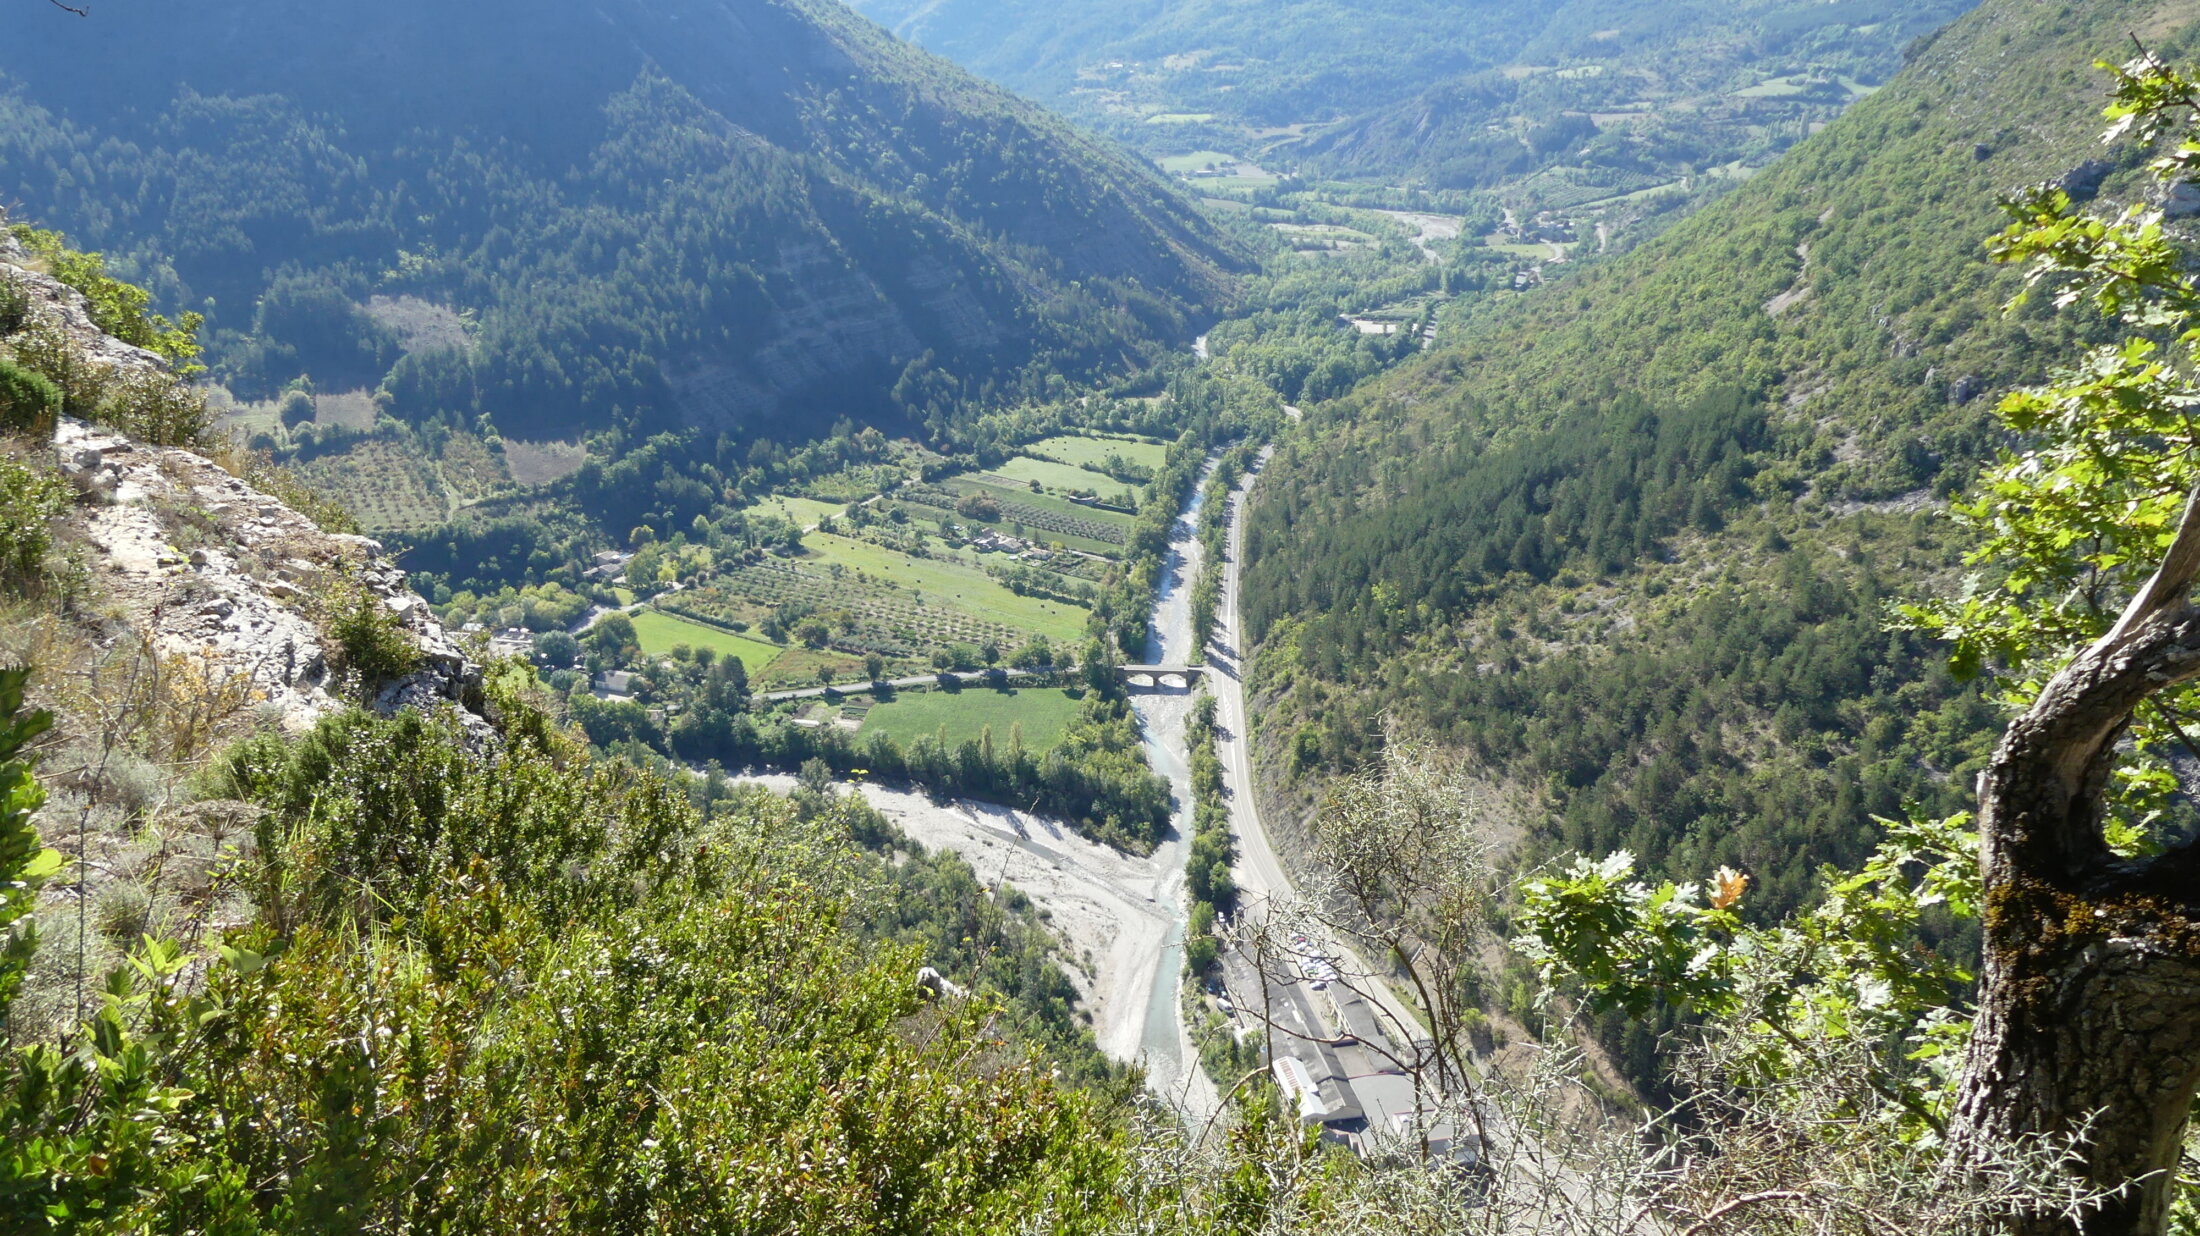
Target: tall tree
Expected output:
[2088,1024]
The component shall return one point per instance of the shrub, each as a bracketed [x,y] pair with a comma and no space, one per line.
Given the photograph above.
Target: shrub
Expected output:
[116,307]
[44,347]
[297,409]
[557,648]
[29,500]
[25,863]
[15,306]
[157,408]
[978,506]
[28,401]
[123,912]
[369,639]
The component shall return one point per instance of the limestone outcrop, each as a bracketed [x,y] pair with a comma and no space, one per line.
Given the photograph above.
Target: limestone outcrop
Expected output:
[227,580]
[217,577]
[66,306]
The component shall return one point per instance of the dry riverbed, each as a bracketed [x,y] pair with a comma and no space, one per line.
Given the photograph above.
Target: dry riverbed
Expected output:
[1101,903]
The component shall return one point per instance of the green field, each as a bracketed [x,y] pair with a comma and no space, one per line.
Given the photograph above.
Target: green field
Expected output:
[1059,476]
[1535,249]
[1030,530]
[798,668]
[803,511]
[660,631]
[952,584]
[1044,712]
[1325,233]
[1195,161]
[1086,452]
[1022,495]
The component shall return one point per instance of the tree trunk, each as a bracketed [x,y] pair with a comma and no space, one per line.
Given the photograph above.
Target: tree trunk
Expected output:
[2089,1004]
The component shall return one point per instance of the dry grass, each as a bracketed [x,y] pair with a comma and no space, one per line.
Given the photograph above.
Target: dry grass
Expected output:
[540,463]
[350,409]
[420,326]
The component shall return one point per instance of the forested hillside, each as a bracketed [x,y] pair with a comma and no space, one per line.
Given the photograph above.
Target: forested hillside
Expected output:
[569,216]
[1630,539]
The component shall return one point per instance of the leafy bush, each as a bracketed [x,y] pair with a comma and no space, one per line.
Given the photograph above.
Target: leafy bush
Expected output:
[157,408]
[297,409]
[370,641]
[28,401]
[47,349]
[15,306]
[118,308]
[570,1001]
[29,500]
[24,862]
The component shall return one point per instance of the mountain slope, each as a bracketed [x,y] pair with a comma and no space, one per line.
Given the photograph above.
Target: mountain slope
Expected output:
[1268,64]
[1617,95]
[725,209]
[1627,539]
[1635,93]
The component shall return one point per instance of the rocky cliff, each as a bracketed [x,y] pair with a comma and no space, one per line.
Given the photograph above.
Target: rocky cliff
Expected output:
[165,547]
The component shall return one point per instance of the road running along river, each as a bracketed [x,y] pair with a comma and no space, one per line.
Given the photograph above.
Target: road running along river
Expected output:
[1122,916]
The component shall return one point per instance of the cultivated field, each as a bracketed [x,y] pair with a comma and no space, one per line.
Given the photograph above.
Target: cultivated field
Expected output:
[659,631]
[1091,453]
[910,590]
[804,512]
[904,608]
[384,486]
[1043,712]
[1024,469]
[951,585]
[1311,237]
[798,667]
[472,469]
[1038,516]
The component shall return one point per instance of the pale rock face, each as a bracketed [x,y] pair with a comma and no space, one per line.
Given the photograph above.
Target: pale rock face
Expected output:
[2181,200]
[238,600]
[221,579]
[68,306]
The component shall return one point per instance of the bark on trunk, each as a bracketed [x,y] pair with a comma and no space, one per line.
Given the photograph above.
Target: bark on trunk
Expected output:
[2089,1015]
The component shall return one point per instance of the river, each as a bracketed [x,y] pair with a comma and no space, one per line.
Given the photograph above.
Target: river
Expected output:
[1121,916]
[1163,715]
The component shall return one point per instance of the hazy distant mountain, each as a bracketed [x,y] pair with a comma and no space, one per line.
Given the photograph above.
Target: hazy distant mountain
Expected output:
[729,209]
[1262,62]
[1465,94]
[1626,93]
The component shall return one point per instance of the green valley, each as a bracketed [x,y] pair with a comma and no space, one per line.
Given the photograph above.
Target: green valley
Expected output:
[1432,618]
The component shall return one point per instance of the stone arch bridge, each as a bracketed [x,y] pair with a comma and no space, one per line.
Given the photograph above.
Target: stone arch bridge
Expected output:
[1160,677]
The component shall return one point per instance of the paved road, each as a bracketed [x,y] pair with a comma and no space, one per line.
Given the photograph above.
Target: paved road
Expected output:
[1259,871]
[1373,1015]
[588,619]
[1378,1090]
